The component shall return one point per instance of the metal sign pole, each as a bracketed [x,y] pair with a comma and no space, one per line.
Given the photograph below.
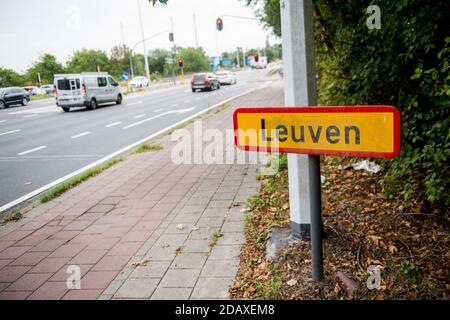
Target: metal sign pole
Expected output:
[300,90]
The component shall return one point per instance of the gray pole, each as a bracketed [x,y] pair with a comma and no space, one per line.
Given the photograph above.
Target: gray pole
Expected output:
[300,90]
[195,32]
[147,67]
[174,52]
[237,51]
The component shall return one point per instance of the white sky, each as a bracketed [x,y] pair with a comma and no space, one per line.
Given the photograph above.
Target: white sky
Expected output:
[30,28]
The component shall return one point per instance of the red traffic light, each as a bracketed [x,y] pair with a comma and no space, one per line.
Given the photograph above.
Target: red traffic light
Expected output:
[180,63]
[219,24]
[256,57]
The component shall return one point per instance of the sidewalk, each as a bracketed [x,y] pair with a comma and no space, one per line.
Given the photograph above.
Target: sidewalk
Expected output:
[142,229]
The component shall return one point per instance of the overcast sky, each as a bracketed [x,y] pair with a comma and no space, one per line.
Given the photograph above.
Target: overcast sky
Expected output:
[31,28]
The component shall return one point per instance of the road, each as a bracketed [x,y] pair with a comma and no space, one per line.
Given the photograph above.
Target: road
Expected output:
[40,143]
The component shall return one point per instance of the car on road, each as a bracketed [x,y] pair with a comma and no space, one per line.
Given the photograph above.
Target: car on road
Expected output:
[138,82]
[204,81]
[34,91]
[13,95]
[86,89]
[48,88]
[226,77]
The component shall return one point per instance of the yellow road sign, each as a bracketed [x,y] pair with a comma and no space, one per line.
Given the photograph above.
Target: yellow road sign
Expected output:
[360,131]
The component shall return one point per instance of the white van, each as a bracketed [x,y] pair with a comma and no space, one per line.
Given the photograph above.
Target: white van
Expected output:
[88,89]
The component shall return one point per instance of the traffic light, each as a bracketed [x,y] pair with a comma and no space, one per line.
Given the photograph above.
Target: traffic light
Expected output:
[180,63]
[171,37]
[219,24]
[256,57]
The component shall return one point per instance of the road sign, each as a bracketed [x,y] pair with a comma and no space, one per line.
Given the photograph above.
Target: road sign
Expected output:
[125,76]
[357,131]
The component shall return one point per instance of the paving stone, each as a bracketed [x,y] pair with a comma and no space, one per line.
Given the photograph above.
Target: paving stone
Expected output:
[233,226]
[154,269]
[171,294]
[29,282]
[189,261]
[220,268]
[210,288]
[50,291]
[82,294]
[225,252]
[231,238]
[137,289]
[180,278]
[97,279]
[196,246]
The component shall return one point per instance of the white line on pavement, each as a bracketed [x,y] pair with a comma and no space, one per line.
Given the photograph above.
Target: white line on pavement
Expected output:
[139,116]
[116,153]
[180,111]
[81,135]
[1,121]
[134,103]
[175,105]
[9,132]
[113,124]
[31,115]
[159,110]
[31,150]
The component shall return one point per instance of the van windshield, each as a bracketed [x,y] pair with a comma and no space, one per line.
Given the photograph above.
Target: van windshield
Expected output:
[64,84]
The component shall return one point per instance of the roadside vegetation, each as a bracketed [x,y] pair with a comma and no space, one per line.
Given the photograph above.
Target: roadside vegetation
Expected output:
[73,182]
[144,147]
[363,227]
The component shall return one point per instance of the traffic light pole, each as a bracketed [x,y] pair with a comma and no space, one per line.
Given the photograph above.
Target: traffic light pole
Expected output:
[300,90]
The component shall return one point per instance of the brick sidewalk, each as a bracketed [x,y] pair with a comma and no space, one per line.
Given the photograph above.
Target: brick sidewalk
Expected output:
[145,209]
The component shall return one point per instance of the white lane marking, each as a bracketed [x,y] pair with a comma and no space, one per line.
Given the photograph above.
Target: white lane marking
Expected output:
[46,109]
[116,153]
[113,124]
[9,132]
[31,150]
[1,121]
[134,103]
[159,110]
[81,135]
[180,111]
[175,105]
[31,115]
[139,116]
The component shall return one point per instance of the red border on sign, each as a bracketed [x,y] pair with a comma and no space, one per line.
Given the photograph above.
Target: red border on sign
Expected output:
[325,109]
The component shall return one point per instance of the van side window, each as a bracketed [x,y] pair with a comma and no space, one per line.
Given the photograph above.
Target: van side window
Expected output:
[102,82]
[112,82]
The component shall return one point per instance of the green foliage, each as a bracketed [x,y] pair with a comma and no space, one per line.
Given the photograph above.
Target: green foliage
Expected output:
[195,59]
[46,67]
[404,64]
[87,61]
[17,79]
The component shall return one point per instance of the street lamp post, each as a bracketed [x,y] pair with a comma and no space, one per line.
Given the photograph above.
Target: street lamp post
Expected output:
[132,48]
[147,67]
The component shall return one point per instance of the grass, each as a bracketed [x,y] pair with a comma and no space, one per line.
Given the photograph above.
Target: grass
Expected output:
[65,186]
[42,97]
[144,147]
[215,236]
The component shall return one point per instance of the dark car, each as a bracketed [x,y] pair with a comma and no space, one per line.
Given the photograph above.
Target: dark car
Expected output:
[204,81]
[13,95]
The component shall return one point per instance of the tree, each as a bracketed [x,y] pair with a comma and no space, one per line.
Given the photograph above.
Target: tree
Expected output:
[405,63]
[195,59]
[47,66]
[157,60]
[88,61]
[119,61]
[17,79]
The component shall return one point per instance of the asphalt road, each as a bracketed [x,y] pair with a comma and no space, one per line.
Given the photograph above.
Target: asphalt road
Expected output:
[40,143]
